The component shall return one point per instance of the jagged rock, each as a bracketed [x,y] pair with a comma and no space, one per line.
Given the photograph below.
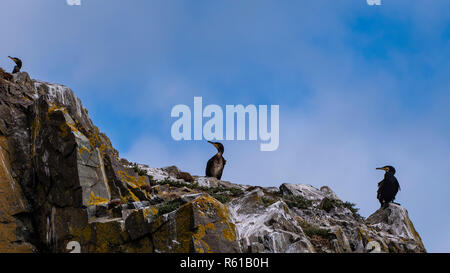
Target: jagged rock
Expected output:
[12,203]
[15,167]
[61,180]
[393,222]
[5,75]
[187,177]
[308,192]
[267,229]
[212,182]
[171,170]
[137,223]
[203,226]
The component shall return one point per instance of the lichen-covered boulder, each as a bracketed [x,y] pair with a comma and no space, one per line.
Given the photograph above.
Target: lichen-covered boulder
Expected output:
[266,227]
[202,225]
[339,229]
[308,192]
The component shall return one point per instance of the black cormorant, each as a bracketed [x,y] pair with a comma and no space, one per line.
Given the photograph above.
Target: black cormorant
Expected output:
[18,64]
[215,165]
[388,187]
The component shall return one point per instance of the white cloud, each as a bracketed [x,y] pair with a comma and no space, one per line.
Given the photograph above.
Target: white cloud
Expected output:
[74,2]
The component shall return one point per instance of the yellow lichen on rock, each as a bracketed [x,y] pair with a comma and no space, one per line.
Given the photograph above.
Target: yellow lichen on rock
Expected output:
[12,202]
[205,203]
[135,198]
[229,233]
[134,182]
[64,130]
[200,245]
[82,150]
[96,200]
[53,108]
[96,141]
[149,212]
[73,126]
[219,226]
[414,231]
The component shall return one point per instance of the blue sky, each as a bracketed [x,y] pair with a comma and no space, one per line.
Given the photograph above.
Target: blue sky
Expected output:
[358,86]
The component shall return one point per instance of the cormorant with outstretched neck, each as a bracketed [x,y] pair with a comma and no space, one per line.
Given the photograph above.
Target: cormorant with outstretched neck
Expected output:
[18,64]
[215,165]
[388,187]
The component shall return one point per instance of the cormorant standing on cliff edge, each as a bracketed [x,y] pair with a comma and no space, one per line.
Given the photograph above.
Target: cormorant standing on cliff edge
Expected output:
[18,64]
[215,165]
[388,187]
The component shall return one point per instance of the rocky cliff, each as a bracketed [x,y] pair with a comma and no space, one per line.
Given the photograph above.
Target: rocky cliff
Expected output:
[63,187]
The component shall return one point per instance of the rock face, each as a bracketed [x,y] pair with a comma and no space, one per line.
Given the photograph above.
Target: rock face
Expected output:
[62,184]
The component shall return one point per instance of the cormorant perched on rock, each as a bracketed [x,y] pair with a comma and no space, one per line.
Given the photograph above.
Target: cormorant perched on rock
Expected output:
[388,187]
[215,165]
[18,64]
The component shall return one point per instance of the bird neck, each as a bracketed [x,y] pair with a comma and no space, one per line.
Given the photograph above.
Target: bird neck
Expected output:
[18,63]
[219,153]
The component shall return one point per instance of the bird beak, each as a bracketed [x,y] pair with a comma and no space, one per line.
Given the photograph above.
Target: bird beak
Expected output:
[384,169]
[215,145]
[11,58]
